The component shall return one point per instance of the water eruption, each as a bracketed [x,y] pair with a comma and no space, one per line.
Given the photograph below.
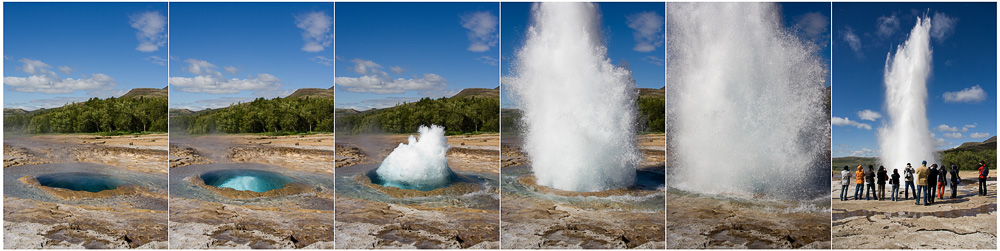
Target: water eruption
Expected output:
[584,140]
[422,164]
[745,103]
[246,180]
[907,138]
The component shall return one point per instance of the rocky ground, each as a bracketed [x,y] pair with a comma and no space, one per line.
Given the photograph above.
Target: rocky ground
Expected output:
[36,224]
[530,223]
[369,224]
[202,224]
[966,222]
[698,221]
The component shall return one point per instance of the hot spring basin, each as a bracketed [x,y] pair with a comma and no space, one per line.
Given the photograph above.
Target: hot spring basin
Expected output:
[79,181]
[375,179]
[246,180]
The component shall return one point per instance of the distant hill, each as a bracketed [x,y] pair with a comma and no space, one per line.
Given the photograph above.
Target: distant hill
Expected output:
[312,93]
[853,162]
[478,92]
[146,92]
[650,92]
[988,144]
[13,111]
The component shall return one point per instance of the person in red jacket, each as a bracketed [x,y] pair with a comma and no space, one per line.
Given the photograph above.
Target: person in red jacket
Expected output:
[983,173]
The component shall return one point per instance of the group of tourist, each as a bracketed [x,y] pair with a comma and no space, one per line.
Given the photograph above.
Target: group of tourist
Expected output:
[924,181]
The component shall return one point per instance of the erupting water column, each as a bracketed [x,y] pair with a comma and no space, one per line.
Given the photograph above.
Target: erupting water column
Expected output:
[907,138]
[745,103]
[422,164]
[578,109]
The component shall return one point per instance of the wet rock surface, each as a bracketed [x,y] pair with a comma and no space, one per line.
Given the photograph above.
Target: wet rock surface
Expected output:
[536,223]
[295,223]
[31,223]
[965,222]
[698,221]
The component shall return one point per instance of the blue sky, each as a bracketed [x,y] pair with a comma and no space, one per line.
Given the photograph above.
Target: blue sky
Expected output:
[646,64]
[962,91]
[56,53]
[388,53]
[222,53]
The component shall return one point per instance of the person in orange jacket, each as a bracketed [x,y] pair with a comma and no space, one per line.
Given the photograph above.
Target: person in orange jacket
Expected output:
[860,187]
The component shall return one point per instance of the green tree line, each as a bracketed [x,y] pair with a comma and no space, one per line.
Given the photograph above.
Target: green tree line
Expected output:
[277,115]
[457,115]
[969,160]
[652,116]
[142,114]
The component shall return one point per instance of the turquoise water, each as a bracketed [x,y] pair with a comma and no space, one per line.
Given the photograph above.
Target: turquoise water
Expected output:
[246,179]
[645,180]
[86,177]
[252,177]
[486,198]
[80,181]
[373,175]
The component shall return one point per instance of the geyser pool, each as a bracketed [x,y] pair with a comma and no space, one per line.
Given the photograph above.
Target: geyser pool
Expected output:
[421,165]
[907,138]
[246,180]
[745,103]
[584,140]
[80,181]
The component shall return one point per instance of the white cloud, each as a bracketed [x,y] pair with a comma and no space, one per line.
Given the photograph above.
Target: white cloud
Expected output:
[381,85]
[654,60]
[946,128]
[973,94]
[482,28]
[953,135]
[838,121]
[887,26]
[940,143]
[852,40]
[814,24]
[869,115]
[398,70]
[377,103]
[375,80]
[45,103]
[8,58]
[322,60]
[232,70]
[65,69]
[647,29]
[864,152]
[315,30]
[43,80]
[488,60]
[979,135]
[210,80]
[152,30]
[52,85]
[942,26]
[156,60]
[973,125]
[36,67]
[212,103]
[367,67]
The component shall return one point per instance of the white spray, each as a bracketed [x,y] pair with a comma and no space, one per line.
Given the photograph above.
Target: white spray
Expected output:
[578,108]
[745,103]
[421,163]
[906,138]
